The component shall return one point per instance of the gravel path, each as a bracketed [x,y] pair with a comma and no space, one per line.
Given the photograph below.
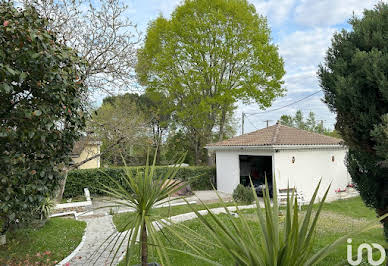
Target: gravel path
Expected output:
[92,253]
[100,228]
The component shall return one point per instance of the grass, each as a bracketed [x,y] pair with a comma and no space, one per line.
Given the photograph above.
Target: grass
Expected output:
[338,218]
[353,207]
[122,219]
[44,246]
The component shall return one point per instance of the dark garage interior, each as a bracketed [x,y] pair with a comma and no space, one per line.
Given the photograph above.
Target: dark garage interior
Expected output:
[257,167]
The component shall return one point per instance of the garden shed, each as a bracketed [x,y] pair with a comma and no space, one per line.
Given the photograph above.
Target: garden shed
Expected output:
[296,157]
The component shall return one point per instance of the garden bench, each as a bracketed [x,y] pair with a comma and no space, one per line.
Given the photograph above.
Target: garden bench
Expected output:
[282,196]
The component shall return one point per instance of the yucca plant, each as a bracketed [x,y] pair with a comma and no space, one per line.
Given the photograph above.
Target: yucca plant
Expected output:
[45,208]
[284,241]
[143,192]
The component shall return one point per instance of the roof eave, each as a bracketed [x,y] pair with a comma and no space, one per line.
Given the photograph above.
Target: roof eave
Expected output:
[275,147]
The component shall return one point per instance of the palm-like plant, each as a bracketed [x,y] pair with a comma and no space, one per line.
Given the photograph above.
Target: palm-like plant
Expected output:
[143,192]
[289,244]
[45,208]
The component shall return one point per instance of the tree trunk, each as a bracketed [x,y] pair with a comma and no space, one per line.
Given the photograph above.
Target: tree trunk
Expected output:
[61,189]
[144,251]
[211,159]
[197,149]
[222,125]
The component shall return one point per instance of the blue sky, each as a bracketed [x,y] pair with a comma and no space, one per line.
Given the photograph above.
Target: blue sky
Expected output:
[301,29]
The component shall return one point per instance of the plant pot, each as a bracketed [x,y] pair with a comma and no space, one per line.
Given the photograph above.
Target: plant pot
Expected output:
[3,240]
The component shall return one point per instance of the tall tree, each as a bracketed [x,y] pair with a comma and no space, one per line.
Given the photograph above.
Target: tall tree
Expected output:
[299,120]
[287,120]
[354,78]
[156,112]
[101,33]
[41,112]
[121,128]
[209,55]
[309,124]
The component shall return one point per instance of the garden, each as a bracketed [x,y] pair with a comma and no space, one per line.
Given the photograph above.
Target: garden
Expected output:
[42,246]
[337,218]
[73,71]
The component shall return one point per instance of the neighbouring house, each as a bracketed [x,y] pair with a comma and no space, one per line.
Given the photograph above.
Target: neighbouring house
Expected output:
[297,158]
[84,149]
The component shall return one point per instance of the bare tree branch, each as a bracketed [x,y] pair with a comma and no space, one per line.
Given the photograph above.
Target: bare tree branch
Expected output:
[101,33]
[75,166]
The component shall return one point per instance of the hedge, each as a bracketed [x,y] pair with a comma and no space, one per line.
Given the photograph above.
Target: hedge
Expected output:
[201,177]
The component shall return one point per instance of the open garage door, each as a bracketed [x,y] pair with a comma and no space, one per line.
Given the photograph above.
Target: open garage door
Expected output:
[257,167]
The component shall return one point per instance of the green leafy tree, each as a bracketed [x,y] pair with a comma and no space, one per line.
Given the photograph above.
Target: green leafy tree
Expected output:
[41,112]
[354,78]
[287,120]
[179,141]
[299,120]
[309,124]
[208,56]
[122,130]
[158,115]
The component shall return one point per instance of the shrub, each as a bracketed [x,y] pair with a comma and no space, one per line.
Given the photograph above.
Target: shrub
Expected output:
[41,110]
[352,79]
[243,194]
[201,178]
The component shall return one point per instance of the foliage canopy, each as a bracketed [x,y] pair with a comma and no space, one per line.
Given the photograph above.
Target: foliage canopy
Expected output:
[310,124]
[41,110]
[354,78]
[208,56]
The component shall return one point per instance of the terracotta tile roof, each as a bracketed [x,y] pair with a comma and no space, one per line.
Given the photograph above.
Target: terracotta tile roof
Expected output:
[279,135]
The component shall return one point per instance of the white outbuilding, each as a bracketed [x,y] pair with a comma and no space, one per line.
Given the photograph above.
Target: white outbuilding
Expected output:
[297,158]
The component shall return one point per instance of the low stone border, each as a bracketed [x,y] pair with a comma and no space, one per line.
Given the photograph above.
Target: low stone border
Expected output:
[73,205]
[64,214]
[76,250]
[88,202]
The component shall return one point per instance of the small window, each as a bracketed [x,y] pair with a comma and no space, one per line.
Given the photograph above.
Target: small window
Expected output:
[332,158]
[293,159]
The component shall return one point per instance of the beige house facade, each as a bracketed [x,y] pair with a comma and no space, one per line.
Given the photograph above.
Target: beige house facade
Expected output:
[85,149]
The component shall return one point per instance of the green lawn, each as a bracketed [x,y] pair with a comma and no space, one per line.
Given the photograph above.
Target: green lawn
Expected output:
[121,220]
[45,246]
[337,219]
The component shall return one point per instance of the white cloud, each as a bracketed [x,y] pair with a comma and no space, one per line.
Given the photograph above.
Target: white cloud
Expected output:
[305,49]
[302,52]
[301,82]
[166,7]
[277,11]
[329,12]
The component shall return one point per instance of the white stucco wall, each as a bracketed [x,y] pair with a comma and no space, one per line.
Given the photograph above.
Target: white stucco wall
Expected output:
[310,166]
[228,168]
